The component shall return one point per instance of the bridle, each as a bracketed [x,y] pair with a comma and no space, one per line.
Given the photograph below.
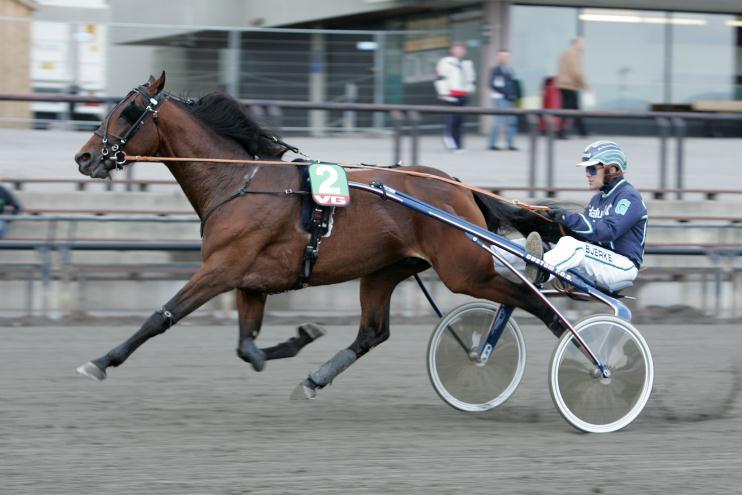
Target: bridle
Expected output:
[116,152]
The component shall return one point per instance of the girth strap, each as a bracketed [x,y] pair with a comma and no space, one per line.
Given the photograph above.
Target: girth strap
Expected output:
[320,225]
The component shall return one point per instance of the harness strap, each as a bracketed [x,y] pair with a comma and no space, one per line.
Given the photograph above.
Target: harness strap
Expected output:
[242,191]
[319,227]
[286,145]
[320,224]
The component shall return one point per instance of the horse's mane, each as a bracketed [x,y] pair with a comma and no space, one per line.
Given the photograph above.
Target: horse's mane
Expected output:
[228,118]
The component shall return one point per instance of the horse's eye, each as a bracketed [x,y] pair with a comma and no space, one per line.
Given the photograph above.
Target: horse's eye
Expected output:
[132,112]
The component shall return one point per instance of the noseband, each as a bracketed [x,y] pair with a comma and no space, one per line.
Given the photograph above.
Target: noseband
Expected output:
[116,152]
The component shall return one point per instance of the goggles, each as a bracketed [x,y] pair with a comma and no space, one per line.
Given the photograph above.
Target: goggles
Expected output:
[592,169]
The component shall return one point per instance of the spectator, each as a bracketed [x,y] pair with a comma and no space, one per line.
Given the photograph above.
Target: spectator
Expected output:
[570,80]
[7,200]
[454,84]
[505,93]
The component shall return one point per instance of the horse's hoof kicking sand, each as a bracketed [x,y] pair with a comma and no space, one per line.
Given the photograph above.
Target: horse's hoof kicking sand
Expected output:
[91,371]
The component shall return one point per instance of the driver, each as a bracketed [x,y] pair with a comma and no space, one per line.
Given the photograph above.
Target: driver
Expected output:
[614,224]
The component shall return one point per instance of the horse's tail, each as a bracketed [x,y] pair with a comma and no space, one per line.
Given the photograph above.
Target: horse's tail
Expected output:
[502,217]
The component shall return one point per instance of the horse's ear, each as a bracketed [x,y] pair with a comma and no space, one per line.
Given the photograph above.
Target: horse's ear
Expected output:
[156,85]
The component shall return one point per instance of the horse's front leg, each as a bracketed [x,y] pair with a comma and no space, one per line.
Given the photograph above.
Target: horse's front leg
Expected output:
[250,308]
[203,286]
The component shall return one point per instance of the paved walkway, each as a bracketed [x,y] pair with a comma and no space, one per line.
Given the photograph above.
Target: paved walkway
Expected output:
[709,162]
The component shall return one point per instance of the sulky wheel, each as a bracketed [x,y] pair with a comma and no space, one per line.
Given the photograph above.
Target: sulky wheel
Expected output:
[586,399]
[457,376]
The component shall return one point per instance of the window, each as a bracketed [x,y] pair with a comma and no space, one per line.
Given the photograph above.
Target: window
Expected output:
[538,35]
[625,57]
[703,57]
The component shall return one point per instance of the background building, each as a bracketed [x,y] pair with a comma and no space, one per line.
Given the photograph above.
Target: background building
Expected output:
[660,51]
[640,54]
[14,64]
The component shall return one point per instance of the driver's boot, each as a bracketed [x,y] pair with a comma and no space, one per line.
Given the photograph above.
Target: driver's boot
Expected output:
[535,247]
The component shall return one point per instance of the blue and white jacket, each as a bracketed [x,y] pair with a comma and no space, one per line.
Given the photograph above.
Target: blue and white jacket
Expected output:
[615,218]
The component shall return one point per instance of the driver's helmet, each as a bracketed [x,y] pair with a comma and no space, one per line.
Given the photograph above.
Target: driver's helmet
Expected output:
[604,153]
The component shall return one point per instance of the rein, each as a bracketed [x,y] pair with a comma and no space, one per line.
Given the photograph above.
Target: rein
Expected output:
[532,208]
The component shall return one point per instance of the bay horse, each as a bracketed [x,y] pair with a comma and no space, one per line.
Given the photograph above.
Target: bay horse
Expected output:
[255,243]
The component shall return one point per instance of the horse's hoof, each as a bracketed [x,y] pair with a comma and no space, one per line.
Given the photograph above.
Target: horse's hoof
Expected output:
[91,371]
[303,391]
[250,353]
[311,330]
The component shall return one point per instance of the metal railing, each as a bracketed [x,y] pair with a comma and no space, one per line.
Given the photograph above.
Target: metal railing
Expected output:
[144,185]
[405,121]
[54,257]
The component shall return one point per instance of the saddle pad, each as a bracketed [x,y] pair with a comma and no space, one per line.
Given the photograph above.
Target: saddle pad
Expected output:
[308,204]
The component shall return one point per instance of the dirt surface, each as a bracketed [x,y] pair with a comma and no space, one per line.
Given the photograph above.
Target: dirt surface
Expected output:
[184,415]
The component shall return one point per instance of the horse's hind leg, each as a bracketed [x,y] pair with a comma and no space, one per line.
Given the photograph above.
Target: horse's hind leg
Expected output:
[376,293]
[250,307]
[203,286]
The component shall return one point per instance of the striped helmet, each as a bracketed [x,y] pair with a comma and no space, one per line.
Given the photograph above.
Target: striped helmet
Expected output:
[604,153]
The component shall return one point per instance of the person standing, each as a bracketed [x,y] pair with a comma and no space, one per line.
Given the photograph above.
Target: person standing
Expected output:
[7,200]
[570,81]
[505,93]
[454,83]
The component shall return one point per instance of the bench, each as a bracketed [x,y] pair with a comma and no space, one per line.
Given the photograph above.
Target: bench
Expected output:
[143,185]
[655,192]
[106,211]
[18,183]
[133,271]
[28,272]
[717,106]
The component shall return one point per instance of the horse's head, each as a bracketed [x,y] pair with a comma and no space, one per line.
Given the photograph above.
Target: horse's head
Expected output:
[130,127]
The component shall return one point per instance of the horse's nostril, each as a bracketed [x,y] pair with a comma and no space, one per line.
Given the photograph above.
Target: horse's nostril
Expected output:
[82,158]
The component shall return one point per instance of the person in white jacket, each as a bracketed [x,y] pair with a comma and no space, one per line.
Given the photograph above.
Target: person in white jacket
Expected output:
[454,84]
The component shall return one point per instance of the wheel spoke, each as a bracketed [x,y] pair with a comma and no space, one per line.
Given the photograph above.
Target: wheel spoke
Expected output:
[465,383]
[456,337]
[586,399]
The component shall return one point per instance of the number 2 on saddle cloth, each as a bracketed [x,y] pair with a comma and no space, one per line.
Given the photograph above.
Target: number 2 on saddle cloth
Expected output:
[329,186]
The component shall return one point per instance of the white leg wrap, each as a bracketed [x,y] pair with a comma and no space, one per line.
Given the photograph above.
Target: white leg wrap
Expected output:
[332,368]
